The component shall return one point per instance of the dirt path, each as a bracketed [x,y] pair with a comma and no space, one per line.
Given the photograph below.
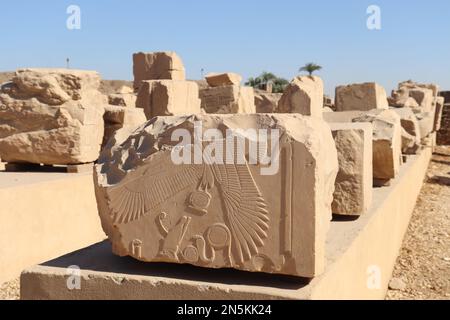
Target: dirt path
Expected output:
[422,270]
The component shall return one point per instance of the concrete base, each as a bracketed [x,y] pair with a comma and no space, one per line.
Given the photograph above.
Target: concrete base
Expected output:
[44,215]
[360,258]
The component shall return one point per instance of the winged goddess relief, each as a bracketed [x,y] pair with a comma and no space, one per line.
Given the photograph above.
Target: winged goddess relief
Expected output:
[246,212]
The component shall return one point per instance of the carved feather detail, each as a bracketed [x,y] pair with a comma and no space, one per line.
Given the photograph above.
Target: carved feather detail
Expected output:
[245,209]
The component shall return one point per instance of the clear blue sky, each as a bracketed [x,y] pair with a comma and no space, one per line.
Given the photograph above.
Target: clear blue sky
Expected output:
[241,36]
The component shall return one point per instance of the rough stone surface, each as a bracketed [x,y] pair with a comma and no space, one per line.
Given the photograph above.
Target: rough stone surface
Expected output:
[51,116]
[223,79]
[266,102]
[363,96]
[116,118]
[228,99]
[157,66]
[438,113]
[443,136]
[214,215]
[386,142]
[303,95]
[411,130]
[353,186]
[123,99]
[168,98]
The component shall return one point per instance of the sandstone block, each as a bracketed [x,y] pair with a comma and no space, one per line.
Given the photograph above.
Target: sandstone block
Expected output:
[424,97]
[303,95]
[117,118]
[223,79]
[353,187]
[51,116]
[228,99]
[364,96]
[168,98]
[411,130]
[123,99]
[157,66]
[217,215]
[387,141]
[438,113]
[266,102]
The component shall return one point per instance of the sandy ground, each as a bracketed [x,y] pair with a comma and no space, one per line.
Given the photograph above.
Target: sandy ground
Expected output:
[422,270]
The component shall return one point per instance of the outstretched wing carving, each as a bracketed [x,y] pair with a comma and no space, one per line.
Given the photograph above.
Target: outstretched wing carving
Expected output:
[137,197]
[245,209]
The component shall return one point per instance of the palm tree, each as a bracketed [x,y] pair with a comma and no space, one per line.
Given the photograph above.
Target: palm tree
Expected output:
[310,68]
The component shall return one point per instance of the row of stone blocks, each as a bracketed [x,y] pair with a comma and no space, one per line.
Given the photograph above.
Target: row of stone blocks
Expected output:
[203,210]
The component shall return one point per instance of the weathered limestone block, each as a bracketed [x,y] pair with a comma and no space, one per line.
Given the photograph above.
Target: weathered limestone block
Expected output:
[223,79]
[353,187]
[51,116]
[364,96]
[401,99]
[228,99]
[214,215]
[411,130]
[168,98]
[426,123]
[438,113]
[424,98]
[266,102]
[387,142]
[303,95]
[412,85]
[157,66]
[117,117]
[123,99]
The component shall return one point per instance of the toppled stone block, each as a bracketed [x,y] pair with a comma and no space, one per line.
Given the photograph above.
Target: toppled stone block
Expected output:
[353,186]
[364,97]
[168,98]
[387,142]
[223,79]
[215,215]
[401,99]
[228,99]
[266,102]
[411,130]
[412,85]
[117,117]
[51,116]
[424,98]
[303,95]
[157,66]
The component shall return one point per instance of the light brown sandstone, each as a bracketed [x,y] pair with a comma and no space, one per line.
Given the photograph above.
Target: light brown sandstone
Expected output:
[223,79]
[157,66]
[353,187]
[411,130]
[266,102]
[228,99]
[123,99]
[363,96]
[51,116]
[117,118]
[424,97]
[303,95]
[438,113]
[387,142]
[168,98]
[221,216]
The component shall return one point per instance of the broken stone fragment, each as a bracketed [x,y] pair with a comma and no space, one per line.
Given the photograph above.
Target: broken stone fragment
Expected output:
[243,213]
[266,102]
[168,98]
[303,95]
[362,96]
[157,66]
[438,113]
[51,116]
[353,186]
[223,79]
[228,99]
[123,99]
